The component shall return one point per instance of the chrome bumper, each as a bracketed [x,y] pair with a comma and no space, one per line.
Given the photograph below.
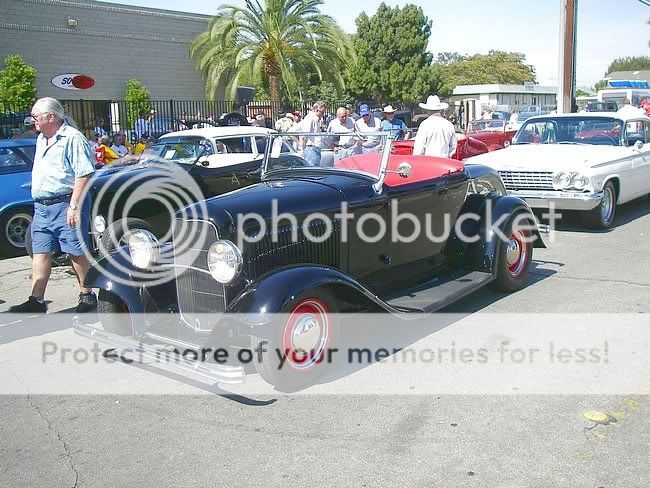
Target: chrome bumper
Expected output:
[219,373]
[561,200]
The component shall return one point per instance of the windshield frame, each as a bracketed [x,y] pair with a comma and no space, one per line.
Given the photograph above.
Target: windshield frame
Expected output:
[571,118]
[377,178]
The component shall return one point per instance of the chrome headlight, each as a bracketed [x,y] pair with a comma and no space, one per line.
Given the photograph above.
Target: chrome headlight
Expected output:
[561,180]
[143,248]
[579,182]
[99,224]
[224,261]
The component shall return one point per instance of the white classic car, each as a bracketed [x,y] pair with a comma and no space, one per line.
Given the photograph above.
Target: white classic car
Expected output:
[588,161]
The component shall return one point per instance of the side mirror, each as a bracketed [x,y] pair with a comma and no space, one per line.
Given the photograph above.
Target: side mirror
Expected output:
[638,145]
[203,161]
[405,170]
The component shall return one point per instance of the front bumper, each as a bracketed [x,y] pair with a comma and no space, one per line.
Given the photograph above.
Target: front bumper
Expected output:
[123,345]
[560,200]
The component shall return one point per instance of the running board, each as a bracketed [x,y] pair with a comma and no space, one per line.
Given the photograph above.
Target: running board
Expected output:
[439,293]
[219,373]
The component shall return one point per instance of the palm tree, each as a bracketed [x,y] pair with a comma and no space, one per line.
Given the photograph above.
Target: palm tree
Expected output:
[279,42]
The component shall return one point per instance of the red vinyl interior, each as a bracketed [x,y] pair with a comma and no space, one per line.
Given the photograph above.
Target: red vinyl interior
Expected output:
[424,167]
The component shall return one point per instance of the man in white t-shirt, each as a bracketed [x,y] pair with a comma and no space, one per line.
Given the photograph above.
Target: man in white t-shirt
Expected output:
[368,123]
[436,135]
[119,146]
[344,146]
[309,146]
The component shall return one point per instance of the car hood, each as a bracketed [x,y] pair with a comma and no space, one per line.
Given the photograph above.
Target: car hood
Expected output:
[296,196]
[117,176]
[548,157]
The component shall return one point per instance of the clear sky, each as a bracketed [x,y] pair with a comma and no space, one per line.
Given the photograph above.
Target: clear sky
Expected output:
[607,29]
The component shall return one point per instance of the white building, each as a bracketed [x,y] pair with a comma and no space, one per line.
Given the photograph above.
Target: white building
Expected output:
[507,97]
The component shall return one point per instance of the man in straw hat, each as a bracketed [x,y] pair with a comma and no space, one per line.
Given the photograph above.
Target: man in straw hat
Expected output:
[392,124]
[436,135]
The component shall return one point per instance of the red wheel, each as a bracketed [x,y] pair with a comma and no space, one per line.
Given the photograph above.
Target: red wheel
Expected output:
[515,254]
[307,334]
[297,350]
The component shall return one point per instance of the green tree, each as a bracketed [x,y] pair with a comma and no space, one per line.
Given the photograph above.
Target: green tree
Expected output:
[17,84]
[630,63]
[601,85]
[393,64]
[494,67]
[448,58]
[276,41]
[137,99]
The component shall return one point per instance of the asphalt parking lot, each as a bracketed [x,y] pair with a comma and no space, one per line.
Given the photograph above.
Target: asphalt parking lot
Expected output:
[199,436]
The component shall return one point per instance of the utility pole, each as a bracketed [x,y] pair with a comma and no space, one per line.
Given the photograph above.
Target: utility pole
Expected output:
[567,71]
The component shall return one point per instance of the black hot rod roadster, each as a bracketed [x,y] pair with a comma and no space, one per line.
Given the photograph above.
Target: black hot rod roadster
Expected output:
[373,231]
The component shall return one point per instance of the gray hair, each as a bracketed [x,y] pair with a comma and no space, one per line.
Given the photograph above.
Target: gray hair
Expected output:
[49,105]
[318,105]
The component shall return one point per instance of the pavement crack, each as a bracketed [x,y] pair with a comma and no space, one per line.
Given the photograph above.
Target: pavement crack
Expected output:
[2,275]
[58,436]
[593,280]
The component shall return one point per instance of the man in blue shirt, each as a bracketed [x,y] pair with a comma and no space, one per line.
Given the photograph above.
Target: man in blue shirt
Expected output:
[63,164]
[392,124]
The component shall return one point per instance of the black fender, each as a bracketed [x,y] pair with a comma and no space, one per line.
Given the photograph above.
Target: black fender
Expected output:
[269,295]
[477,219]
[496,214]
[261,297]
[111,273]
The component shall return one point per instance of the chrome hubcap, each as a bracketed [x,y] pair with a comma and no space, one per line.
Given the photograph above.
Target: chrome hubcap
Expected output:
[306,334]
[607,205]
[513,252]
[16,229]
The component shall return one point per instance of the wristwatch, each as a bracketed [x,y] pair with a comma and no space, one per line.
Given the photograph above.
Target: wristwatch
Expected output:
[74,206]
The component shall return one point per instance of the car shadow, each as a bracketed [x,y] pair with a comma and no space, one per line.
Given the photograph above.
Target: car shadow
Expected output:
[394,334]
[214,389]
[573,221]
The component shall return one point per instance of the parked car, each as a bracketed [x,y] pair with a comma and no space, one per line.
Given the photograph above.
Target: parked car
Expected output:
[311,269]
[609,106]
[532,111]
[501,115]
[467,147]
[494,133]
[586,162]
[16,204]
[11,121]
[163,124]
[216,159]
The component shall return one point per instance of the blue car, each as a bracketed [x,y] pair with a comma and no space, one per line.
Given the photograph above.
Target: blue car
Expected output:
[16,205]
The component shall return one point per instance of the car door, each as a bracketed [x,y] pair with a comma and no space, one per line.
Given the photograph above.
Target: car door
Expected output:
[435,204]
[235,164]
[639,131]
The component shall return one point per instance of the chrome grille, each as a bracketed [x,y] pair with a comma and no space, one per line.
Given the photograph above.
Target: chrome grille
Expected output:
[527,180]
[266,255]
[196,290]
